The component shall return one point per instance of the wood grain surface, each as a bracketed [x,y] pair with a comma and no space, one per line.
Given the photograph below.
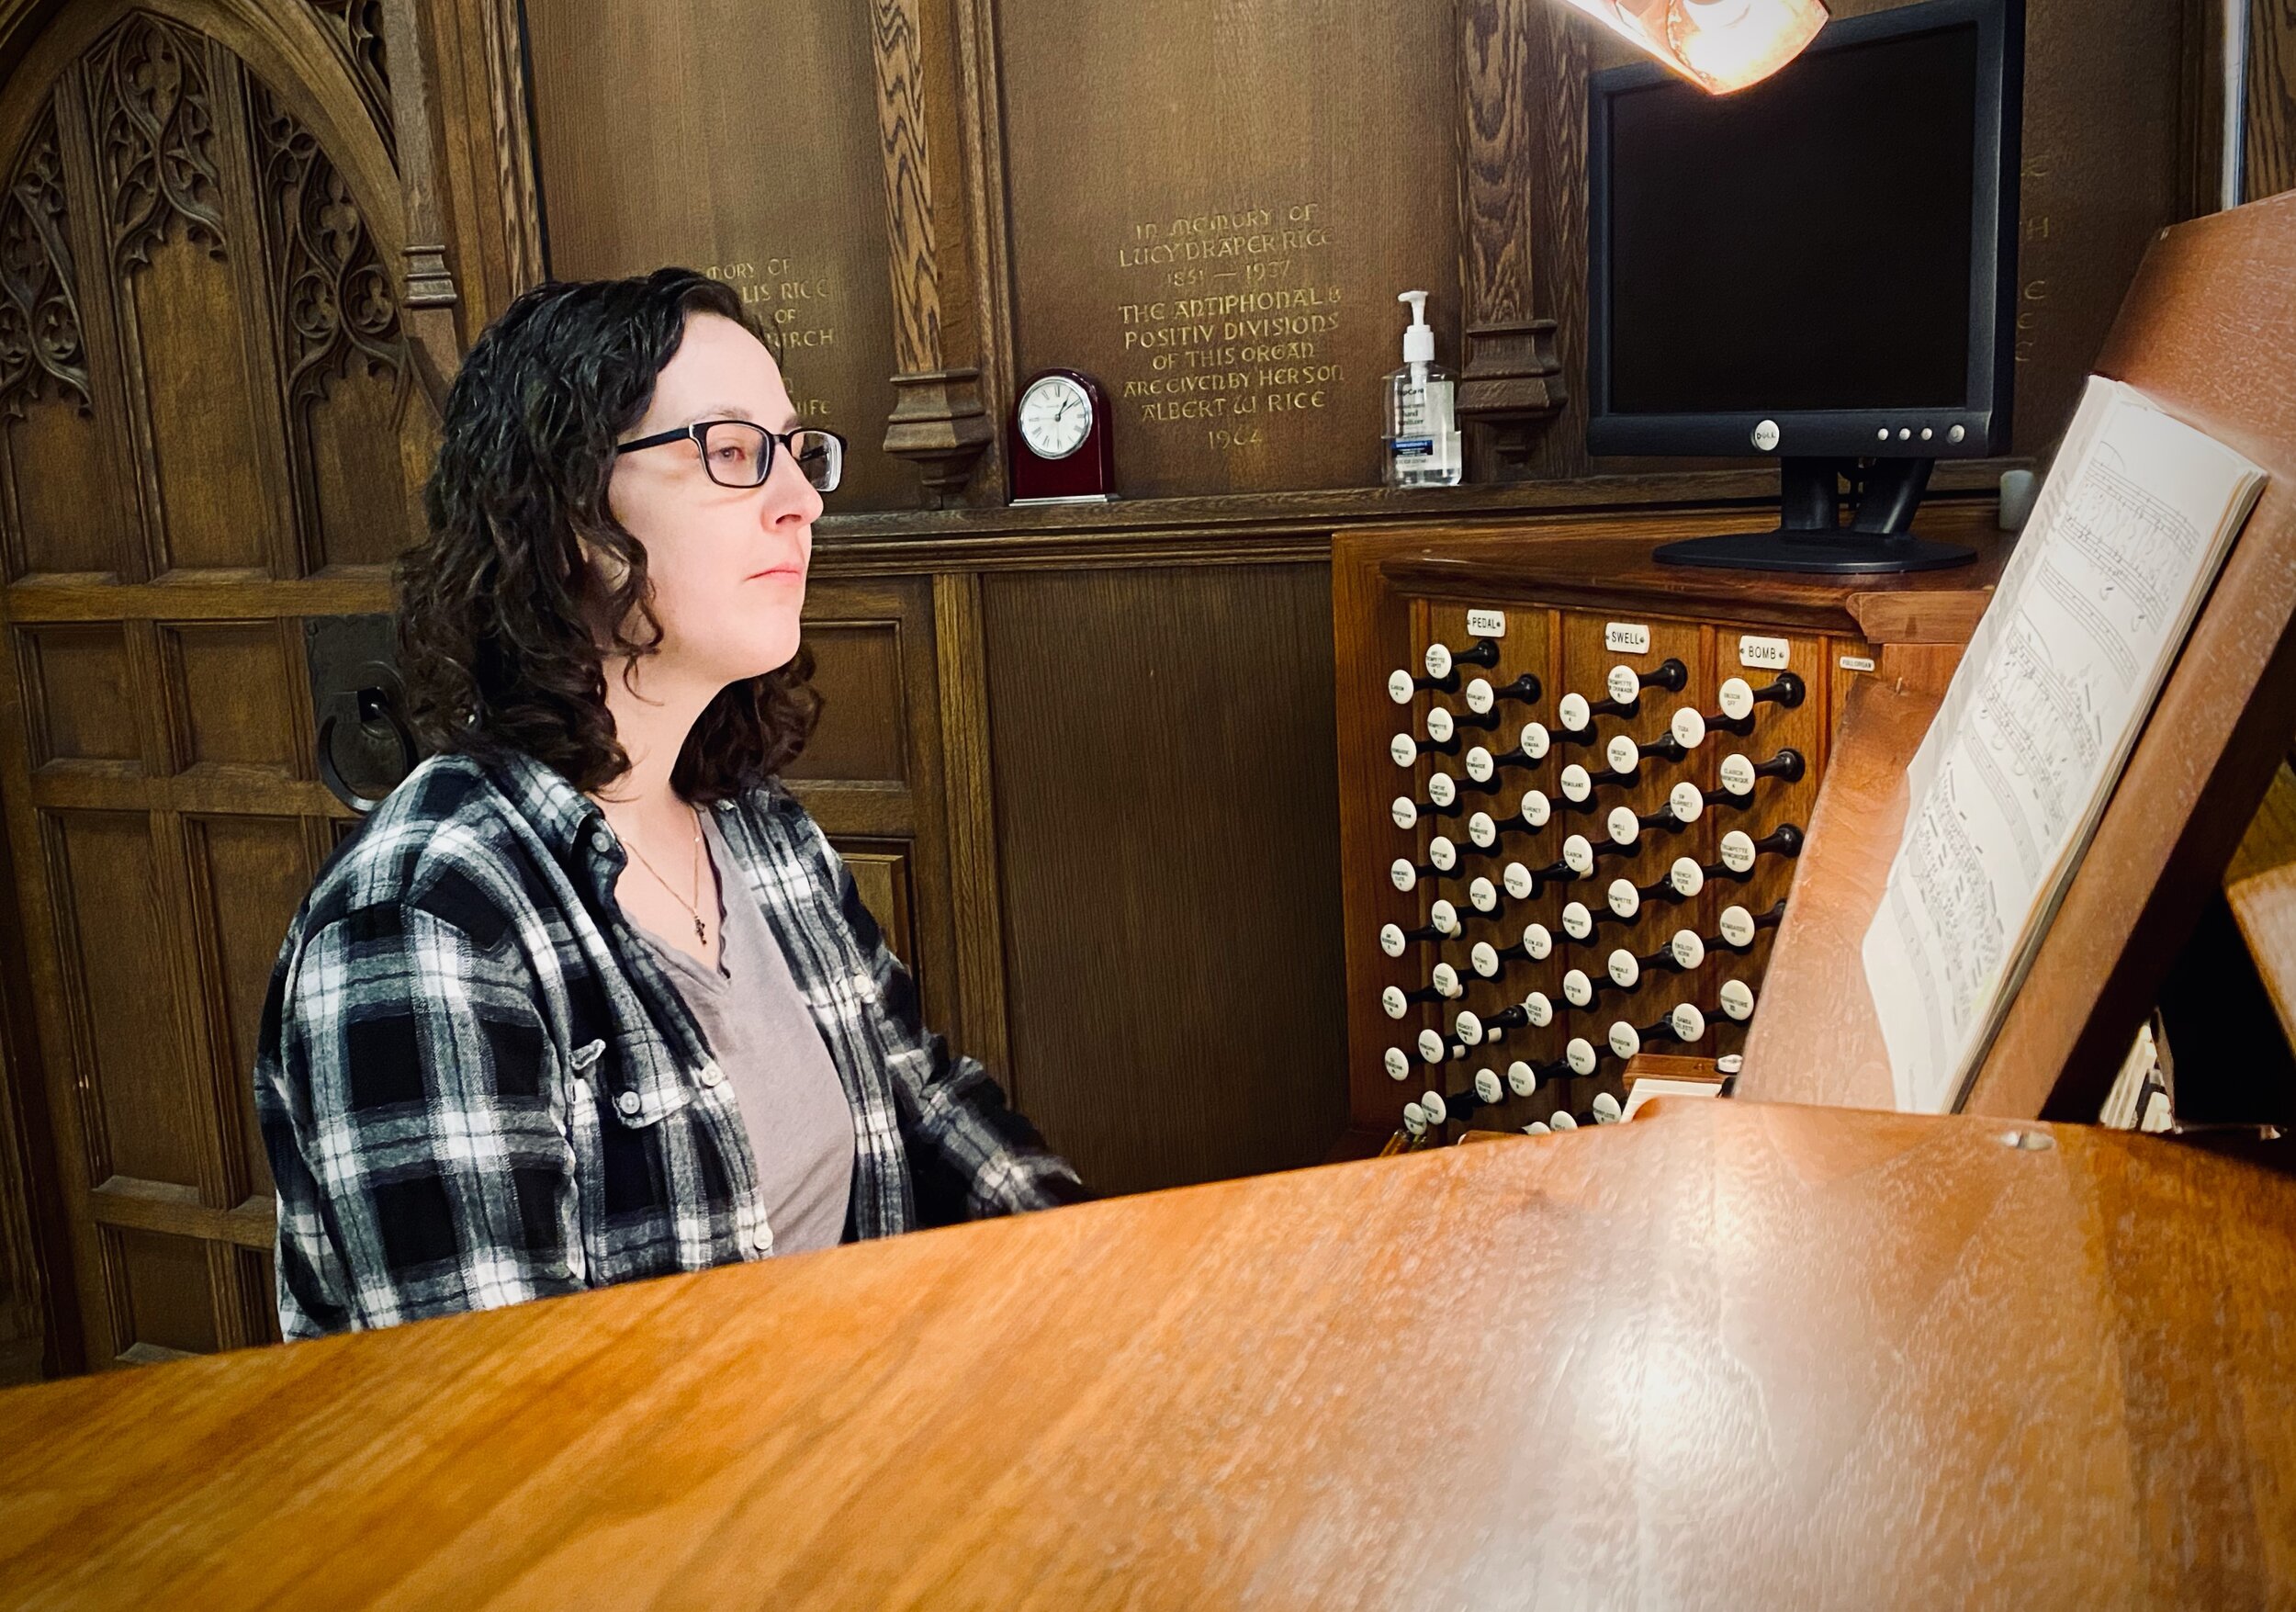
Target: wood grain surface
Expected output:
[1816,1038]
[1738,1355]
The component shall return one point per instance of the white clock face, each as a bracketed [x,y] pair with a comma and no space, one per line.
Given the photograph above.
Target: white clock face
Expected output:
[1055,416]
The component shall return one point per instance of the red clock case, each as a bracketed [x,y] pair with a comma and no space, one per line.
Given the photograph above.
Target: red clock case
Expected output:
[1087,474]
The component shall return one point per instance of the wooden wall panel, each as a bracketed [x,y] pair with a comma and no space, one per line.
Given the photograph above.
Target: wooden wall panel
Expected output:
[231,681]
[137,1091]
[863,735]
[2270,157]
[76,694]
[1167,828]
[1169,160]
[170,1303]
[745,143]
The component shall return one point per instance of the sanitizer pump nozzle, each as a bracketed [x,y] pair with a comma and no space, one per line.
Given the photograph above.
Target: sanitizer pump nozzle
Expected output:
[1422,437]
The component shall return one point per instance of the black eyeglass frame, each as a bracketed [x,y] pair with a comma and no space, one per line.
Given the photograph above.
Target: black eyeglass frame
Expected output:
[783,440]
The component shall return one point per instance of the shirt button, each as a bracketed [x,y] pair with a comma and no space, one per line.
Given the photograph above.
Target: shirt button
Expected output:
[764,1239]
[627,1102]
[711,1074]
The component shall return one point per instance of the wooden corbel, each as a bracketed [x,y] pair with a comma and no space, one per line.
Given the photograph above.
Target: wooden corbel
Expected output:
[940,420]
[1521,78]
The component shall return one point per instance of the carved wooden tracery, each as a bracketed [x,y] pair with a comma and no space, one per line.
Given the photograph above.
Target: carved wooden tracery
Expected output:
[41,345]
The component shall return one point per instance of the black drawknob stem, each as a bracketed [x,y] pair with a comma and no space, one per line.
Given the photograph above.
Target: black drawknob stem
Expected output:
[1525,688]
[1787,764]
[1788,690]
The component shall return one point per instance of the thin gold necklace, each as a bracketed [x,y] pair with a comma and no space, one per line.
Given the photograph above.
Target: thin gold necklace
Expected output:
[701,931]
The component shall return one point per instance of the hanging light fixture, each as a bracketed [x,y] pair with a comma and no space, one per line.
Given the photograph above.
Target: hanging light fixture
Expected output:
[1720,45]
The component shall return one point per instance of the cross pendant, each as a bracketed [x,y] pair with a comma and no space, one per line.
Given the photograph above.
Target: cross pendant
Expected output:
[699,934]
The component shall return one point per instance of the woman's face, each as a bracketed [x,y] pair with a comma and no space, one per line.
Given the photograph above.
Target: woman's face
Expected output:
[727,564]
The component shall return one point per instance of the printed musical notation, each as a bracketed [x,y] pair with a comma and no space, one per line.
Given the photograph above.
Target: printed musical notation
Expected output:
[2038,723]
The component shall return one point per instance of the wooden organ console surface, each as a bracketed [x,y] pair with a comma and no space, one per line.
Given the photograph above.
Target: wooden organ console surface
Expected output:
[1574,785]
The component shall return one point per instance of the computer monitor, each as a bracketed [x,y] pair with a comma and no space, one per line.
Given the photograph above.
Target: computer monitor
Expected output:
[1820,268]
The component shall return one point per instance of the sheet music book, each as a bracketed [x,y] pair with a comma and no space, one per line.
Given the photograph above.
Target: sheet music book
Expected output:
[2008,784]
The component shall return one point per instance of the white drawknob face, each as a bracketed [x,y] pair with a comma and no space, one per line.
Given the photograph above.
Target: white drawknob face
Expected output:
[1564,1120]
[1479,765]
[1396,1063]
[1522,1079]
[1621,683]
[1579,1055]
[1438,661]
[1624,826]
[1439,727]
[1737,1000]
[1430,1046]
[1687,949]
[1537,808]
[1399,686]
[1621,754]
[1738,850]
[1626,972]
[1484,960]
[1537,1127]
[1738,698]
[1606,1108]
[1537,944]
[1480,697]
[1738,926]
[1402,873]
[1442,855]
[1402,750]
[1688,727]
[1391,939]
[1482,833]
[1686,876]
[1685,804]
[1443,789]
[1391,1002]
[1431,1104]
[1729,1062]
[1577,921]
[1518,881]
[1483,897]
[1686,1022]
[1445,979]
[1535,741]
[1578,855]
[1572,713]
[1537,1010]
[1738,774]
[1487,1086]
[1444,917]
[1625,899]
[1577,988]
[1577,783]
[1623,1040]
[1403,811]
[1468,1028]
[1414,1119]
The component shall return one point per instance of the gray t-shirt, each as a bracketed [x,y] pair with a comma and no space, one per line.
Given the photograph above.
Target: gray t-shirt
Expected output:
[792,1104]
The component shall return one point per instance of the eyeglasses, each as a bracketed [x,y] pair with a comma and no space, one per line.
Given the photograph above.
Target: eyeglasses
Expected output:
[738,454]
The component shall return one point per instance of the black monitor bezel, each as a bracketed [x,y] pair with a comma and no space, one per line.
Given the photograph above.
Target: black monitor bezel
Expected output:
[1983,414]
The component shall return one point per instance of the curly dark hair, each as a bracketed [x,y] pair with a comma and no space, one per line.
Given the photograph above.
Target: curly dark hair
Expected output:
[497,611]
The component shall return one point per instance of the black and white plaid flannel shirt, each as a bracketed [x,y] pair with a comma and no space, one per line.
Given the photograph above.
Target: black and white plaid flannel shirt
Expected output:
[476,1085]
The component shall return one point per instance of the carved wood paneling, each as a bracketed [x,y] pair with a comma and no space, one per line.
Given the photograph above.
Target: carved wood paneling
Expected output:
[42,350]
[940,422]
[153,103]
[356,29]
[1510,375]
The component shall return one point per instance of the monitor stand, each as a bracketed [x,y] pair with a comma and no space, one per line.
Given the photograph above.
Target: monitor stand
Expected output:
[1809,536]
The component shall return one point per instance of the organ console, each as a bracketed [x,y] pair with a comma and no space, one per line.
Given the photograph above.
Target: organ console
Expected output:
[1616,876]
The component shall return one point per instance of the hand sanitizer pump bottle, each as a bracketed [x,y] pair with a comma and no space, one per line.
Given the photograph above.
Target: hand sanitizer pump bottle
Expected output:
[1423,433]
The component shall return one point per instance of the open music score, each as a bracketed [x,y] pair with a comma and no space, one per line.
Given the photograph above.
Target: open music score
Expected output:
[1593,827]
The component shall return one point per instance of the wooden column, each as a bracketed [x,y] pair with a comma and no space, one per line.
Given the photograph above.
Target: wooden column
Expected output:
[1520,84]
[941,421]
[427,299]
